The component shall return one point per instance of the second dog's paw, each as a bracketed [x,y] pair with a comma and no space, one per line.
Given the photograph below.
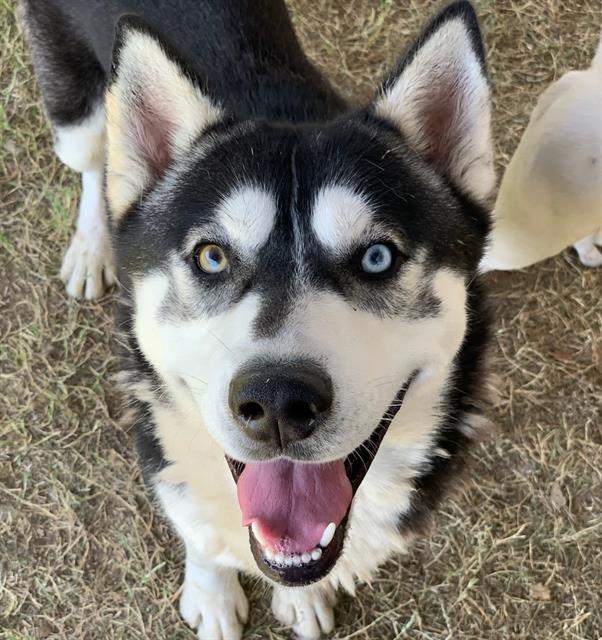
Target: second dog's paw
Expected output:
[591,258]
[589,254]
[217,614]
[88,267]
[308,610]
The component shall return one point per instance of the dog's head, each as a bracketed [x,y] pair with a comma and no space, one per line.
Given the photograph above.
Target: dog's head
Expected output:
[288,283]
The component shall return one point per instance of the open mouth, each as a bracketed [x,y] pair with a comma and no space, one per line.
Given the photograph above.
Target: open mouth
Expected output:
[297,512]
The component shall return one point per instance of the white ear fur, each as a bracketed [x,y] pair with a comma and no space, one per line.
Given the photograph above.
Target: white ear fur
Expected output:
[440,100]
[154,111]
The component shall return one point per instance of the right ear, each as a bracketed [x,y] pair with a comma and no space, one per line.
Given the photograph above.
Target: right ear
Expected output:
[439,97]
[155,109]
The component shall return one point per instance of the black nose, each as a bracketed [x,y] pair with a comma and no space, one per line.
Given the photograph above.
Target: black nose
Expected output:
[280,403]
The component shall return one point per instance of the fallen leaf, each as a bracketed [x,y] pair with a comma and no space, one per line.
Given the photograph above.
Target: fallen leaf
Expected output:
[539,592]
[10,146]
[557,497]
[45,629]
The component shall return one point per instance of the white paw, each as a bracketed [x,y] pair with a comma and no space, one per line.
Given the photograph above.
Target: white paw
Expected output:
[308,610]
[217,614]
[88,267]
[591,258]
[589,254]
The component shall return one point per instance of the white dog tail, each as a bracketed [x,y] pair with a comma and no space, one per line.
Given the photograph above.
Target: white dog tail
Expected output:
[597,61]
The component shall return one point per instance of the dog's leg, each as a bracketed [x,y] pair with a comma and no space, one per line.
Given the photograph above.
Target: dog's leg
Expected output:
[88,265]
[212,599]
[308,610]
[72,83]
[588,252]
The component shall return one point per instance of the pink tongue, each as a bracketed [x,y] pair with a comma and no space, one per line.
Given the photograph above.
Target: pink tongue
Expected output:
[291,503]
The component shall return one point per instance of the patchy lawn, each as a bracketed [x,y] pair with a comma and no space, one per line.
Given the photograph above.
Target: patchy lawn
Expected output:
[517,554]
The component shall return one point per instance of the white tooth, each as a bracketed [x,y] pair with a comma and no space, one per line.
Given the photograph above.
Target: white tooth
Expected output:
[268,554]
[328,535]
[279,558]
[305,558]
[288,561]
[316,554]
[296,560]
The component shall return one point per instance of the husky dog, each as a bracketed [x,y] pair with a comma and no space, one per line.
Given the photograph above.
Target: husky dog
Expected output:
[304,325]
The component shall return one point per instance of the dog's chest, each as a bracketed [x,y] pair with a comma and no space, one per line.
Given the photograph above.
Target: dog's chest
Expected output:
[198,494]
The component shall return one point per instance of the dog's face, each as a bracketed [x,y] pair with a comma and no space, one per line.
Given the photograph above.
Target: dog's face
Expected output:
[288,283]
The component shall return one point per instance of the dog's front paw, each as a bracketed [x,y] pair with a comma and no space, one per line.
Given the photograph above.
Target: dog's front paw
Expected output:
[308,610]
[588,250]
[217,607]
[88,267]
[591,258]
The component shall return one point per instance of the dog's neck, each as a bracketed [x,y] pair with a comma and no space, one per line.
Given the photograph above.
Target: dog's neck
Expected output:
[244,52]
[257,67]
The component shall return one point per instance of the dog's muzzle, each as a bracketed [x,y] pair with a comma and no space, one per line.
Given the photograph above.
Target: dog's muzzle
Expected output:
[296,511]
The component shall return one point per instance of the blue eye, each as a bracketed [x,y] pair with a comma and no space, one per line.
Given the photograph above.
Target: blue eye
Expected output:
[377,259]
[211,258]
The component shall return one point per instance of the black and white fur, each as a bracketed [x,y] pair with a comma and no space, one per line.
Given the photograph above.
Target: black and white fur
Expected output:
[211,124]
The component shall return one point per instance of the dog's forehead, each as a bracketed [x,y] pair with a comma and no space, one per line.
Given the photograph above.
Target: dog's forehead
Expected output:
[295,180]
[339,216]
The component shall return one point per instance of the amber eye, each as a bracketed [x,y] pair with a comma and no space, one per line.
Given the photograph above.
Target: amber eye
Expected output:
[211,258]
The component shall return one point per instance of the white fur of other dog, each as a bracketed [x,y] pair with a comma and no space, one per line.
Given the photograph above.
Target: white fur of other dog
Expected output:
[551,194]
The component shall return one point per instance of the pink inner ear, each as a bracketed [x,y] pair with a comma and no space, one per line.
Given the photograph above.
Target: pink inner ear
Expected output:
[442,123]
[152,133]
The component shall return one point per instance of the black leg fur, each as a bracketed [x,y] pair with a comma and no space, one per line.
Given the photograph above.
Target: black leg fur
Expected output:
[72,81]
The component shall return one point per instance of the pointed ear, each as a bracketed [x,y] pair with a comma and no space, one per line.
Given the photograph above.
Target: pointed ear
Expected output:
[439,98]
[155,109]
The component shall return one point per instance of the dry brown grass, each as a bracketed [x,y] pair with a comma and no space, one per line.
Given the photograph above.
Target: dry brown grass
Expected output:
[82,554]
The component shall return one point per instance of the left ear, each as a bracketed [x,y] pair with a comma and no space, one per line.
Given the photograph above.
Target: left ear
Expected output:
[439,98]
[155,109]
